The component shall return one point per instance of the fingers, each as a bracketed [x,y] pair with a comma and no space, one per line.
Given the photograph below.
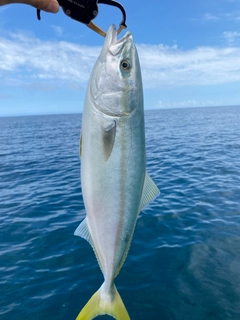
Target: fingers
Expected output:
[45,5]
[52,6]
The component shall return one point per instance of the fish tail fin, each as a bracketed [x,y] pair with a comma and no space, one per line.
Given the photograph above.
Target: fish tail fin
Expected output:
[102,303]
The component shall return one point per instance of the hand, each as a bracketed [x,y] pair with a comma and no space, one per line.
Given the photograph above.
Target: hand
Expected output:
[45,5]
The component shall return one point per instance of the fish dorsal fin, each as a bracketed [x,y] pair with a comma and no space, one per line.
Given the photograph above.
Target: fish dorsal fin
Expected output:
[150,191]
[108,137]
[83,232]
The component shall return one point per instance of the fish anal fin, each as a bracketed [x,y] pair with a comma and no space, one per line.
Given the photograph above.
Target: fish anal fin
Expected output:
[84,232]
[150,192]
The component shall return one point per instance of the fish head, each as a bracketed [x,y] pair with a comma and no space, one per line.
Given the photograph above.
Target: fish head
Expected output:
[116,82]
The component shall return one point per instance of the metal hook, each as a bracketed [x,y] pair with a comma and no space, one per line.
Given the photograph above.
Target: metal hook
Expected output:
[122,24]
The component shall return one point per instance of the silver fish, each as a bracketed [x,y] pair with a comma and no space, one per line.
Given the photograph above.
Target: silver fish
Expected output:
[115,184]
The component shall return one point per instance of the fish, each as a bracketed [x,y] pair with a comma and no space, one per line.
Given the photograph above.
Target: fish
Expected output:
[115,184]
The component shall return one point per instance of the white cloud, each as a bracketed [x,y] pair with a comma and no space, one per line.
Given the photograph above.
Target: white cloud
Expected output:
[162,65]
[188,103]
[231,36]
[227,16]
[25,59]
[58,30]
[210,17]
[233,16]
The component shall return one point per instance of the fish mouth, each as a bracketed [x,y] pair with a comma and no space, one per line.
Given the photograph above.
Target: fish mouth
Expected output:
[112,32]
[112,44]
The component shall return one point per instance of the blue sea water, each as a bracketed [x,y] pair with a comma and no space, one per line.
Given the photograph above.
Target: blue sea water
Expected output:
[184,261]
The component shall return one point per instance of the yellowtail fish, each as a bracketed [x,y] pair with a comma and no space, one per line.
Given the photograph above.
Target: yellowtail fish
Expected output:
[115,184]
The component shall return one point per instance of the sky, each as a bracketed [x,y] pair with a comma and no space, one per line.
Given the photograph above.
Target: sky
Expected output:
[189,53]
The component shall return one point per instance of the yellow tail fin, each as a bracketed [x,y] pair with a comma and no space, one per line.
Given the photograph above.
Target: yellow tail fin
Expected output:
[101,303]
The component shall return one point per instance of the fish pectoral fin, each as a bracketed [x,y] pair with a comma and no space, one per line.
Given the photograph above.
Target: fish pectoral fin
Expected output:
[101,303]
[108,137]
[150,191]
[84,232]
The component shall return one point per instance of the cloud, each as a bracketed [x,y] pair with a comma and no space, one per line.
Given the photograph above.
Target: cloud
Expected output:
[58,30]
[188,103]
[27,59]
[227,16]
[232,16]
[210,17]
[162,65]
[231,36]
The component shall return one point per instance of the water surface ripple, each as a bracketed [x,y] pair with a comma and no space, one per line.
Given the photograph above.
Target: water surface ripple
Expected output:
[184,260]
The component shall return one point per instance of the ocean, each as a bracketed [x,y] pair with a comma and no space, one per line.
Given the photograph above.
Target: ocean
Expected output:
[184,261]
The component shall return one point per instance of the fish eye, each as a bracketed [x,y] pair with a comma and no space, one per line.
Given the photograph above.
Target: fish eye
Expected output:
[125,65]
